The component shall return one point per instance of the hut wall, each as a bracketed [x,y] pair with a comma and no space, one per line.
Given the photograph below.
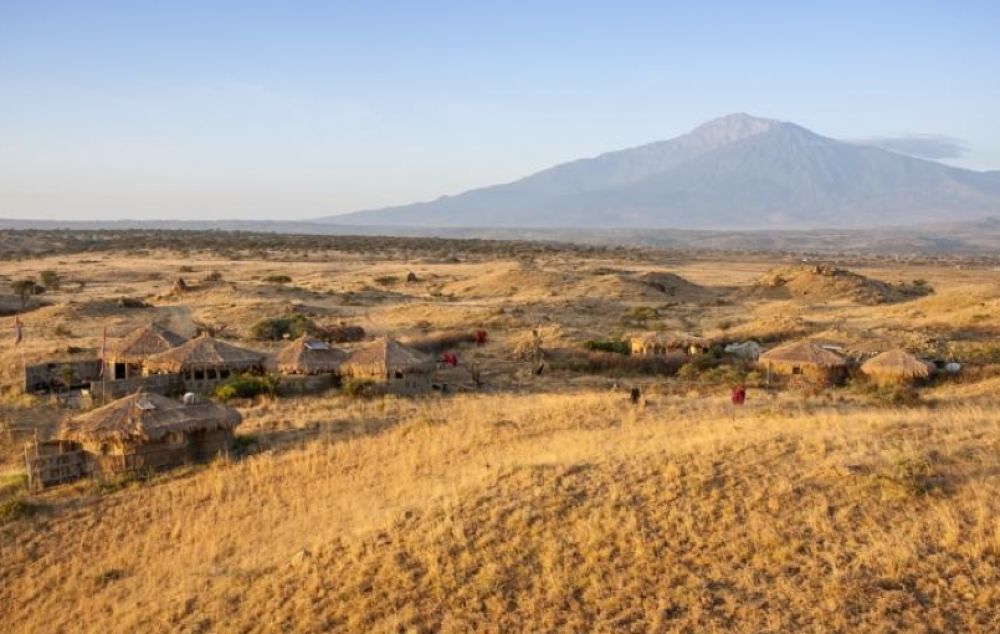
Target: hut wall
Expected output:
[294,384]
[885,379]
[809,372]
[40,376]
[204,381]
[113,458]
[165,384]
[409,382]
[205,445]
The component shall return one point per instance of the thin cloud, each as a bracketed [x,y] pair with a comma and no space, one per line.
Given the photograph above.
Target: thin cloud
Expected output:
[927,146]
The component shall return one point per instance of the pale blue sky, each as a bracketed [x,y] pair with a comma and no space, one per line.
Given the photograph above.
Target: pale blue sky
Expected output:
[287,110]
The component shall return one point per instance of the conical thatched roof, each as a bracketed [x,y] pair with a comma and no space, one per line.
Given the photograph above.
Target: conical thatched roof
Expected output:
[309,356]
[204,352]
[147,417]
[144,342]
[386,355]
[803,353]
[897,364]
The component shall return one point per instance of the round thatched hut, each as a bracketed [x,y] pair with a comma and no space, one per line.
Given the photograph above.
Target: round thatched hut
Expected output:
[148,431]
[807,359]
[127,356]
[398,367]
[204,362]
[306,355]
[897,367]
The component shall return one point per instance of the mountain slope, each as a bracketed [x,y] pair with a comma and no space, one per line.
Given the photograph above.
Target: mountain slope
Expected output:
[735,172]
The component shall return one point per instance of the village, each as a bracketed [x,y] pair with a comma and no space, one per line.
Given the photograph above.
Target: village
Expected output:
[137,373]
[151,393]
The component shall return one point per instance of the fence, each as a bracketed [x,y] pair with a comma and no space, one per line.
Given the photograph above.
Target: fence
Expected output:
[53,462]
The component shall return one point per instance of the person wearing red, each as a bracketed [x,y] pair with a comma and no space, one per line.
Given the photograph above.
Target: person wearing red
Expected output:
[739,395]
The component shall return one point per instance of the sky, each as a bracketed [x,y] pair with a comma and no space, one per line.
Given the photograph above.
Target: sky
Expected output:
[295,110]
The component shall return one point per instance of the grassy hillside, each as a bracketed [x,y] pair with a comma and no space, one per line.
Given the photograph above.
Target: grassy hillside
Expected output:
[543,513]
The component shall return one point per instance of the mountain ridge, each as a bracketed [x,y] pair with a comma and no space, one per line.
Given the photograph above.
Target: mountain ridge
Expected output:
[736,171]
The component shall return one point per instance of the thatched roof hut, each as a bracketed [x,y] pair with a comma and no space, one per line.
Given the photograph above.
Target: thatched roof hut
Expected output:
[306,355]
[805,357]
[144,417]
[653,343]
[803,353]
[897,366]
[386,357]
[203,353]
[142,343]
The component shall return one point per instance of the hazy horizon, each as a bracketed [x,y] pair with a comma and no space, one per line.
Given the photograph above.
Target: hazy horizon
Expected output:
[299,111]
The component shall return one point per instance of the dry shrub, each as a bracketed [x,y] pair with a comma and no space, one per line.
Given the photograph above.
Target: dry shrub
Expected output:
[439,342]
[614,364]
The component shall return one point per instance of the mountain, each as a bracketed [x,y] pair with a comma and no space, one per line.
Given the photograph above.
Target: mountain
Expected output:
[735,172]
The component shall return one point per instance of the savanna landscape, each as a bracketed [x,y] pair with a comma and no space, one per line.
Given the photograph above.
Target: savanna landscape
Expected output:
[550,479]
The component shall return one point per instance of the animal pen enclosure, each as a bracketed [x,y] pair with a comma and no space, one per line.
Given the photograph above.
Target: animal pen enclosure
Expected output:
[52,462]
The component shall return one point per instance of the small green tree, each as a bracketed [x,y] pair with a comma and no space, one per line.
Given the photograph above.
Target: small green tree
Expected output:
[276,328]
[246,386]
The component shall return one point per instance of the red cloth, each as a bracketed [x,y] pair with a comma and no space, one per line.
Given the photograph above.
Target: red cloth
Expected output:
[480,337]
[739,395]
[450,359]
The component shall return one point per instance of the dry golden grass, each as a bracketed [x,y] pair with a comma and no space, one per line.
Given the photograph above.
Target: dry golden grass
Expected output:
[557,508]
[545,513]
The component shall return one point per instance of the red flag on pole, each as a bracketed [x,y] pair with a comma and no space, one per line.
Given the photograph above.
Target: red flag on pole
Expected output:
[18,331]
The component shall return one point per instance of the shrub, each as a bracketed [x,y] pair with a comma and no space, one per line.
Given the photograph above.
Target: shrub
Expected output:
[13,483]
[387,280]
[15,508]
[616,364]
[278,279]
[186,269]
[439,342]
[214,276]
[51,279]
[246,386]
[359,388]
[607,345]
[344,333]
[275,328]
[246,444]
[640,314]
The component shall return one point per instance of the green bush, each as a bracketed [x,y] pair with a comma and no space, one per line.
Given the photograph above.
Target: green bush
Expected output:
[607,345]
[15,508]
[246,444]
[275,328]
[246,386]
[359,388]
